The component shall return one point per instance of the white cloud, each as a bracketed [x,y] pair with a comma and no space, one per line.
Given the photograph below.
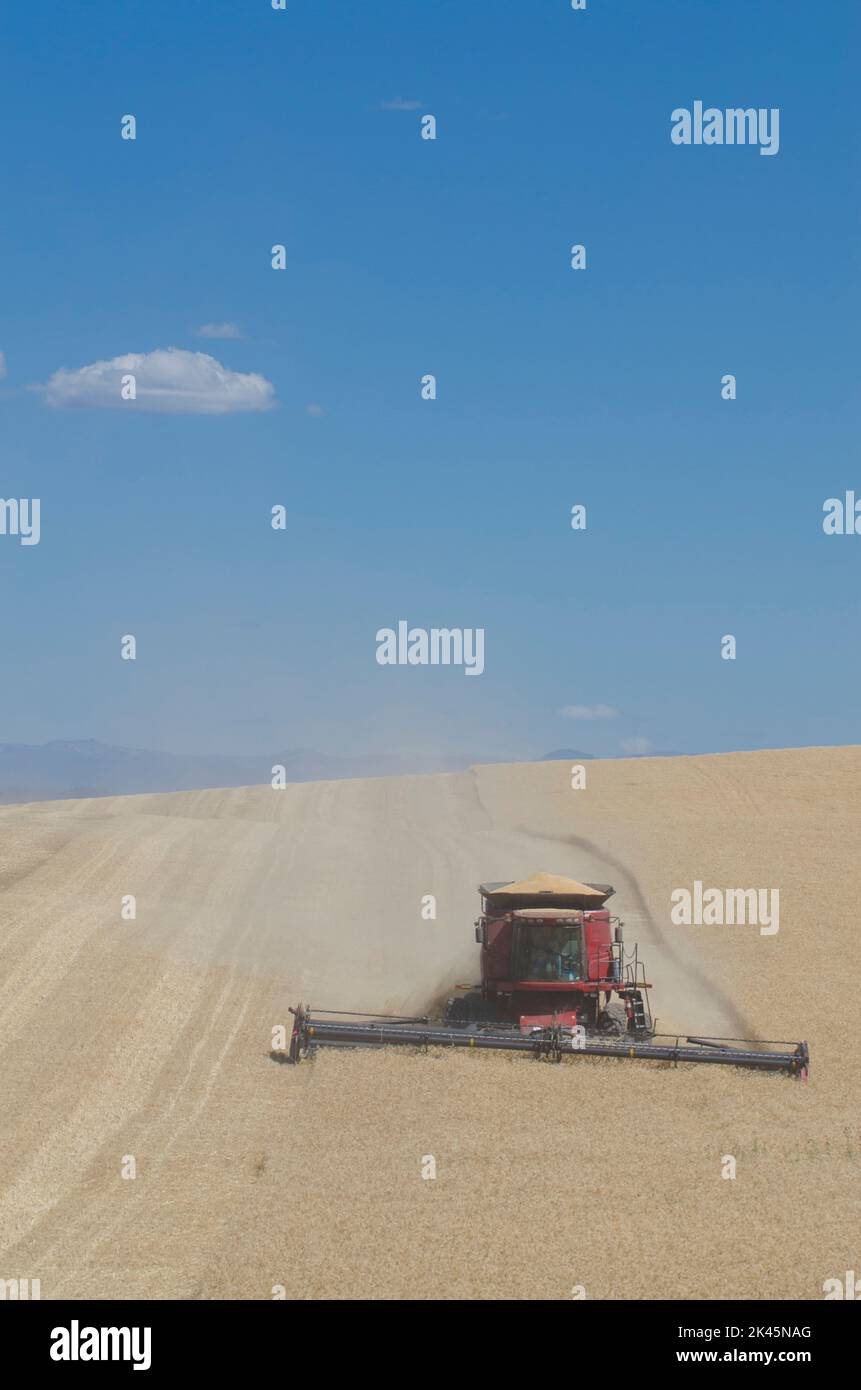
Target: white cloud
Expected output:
[2,365]
[635,745]
[400,104]
[168,380]
[315,410]
[219,330]
[589,712]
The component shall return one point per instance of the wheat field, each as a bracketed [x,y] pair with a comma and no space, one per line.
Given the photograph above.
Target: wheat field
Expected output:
[147,1040]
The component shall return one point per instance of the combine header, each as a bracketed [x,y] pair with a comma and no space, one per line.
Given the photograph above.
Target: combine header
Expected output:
[556,979]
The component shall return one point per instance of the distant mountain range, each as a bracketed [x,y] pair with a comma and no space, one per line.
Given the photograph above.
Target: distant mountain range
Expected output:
[560,755]
[569,754]
[86,767]
[46,771]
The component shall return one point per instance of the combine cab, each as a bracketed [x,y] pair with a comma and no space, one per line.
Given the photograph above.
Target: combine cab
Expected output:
[551,954]
[556,978]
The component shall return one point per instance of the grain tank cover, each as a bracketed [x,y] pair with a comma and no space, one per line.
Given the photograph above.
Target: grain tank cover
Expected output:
[545,890]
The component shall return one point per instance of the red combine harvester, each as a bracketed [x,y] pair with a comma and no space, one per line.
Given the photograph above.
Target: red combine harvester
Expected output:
[553,966]
[552,955]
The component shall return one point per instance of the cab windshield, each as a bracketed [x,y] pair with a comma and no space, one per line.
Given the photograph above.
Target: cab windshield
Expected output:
[548,951]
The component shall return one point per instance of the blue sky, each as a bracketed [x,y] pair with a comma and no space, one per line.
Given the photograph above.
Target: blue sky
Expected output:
[404,257]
